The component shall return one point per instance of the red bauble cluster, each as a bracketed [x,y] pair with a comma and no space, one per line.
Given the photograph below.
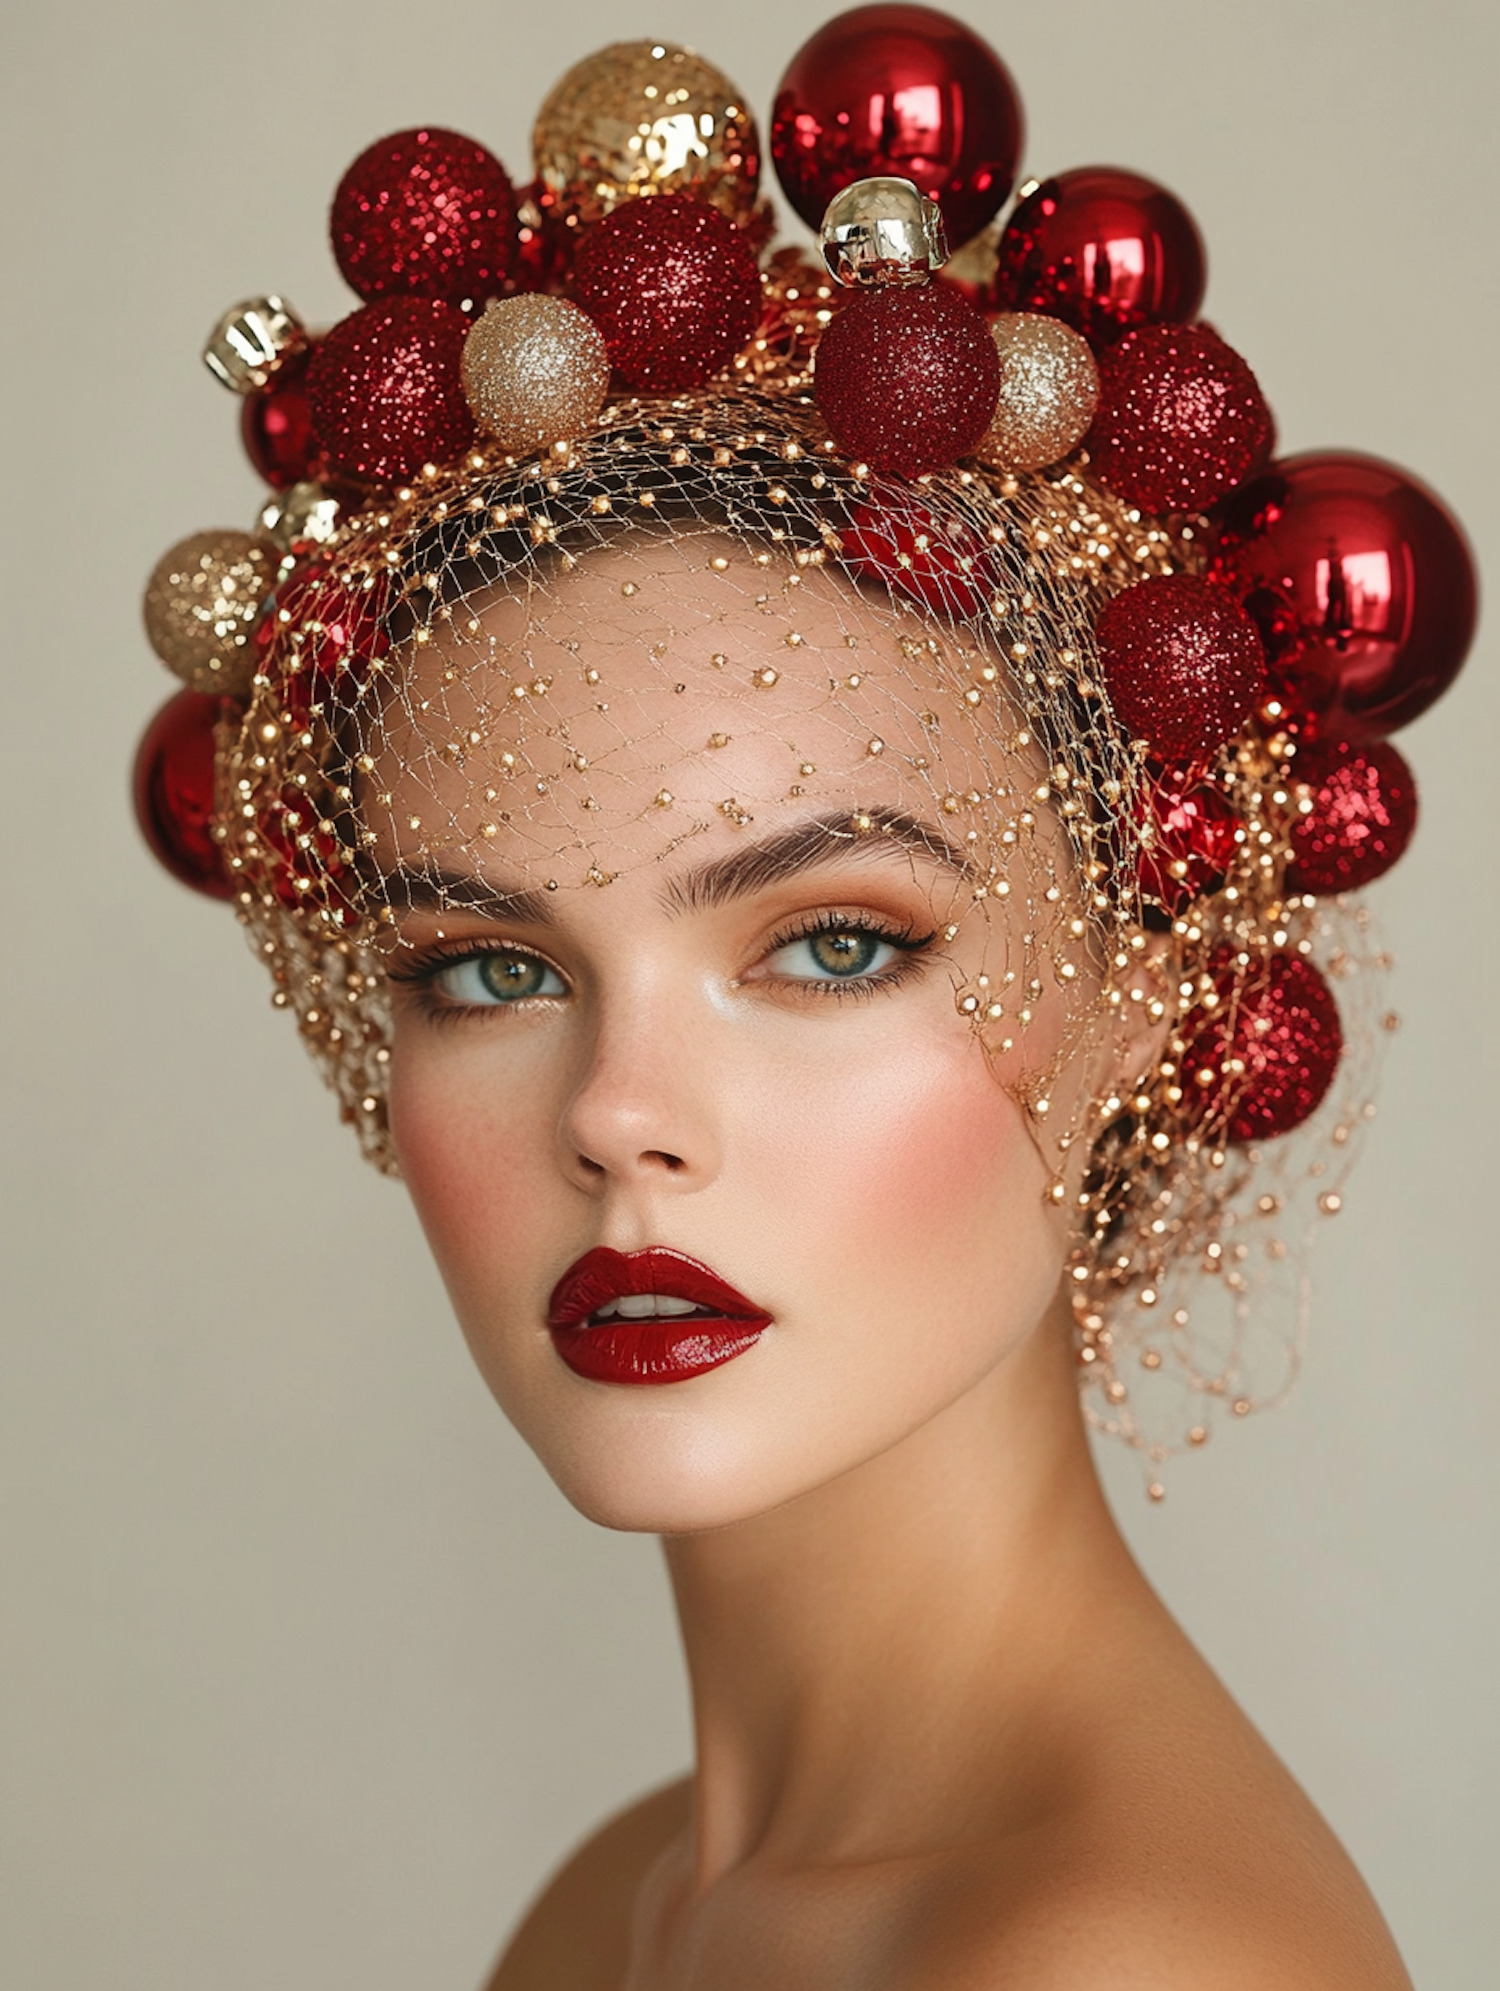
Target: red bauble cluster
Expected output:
[1183,664]
[1105,251]
[1189,834]
[425,213]
[1363,811]
[1361,583]
[674,287]
[907,379]
[904,92]
[173,791]
[386,392]
[277,425]
[1181,419]
[1264,1056]
[938,564]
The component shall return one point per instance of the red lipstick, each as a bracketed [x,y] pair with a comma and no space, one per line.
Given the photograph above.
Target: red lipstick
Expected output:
[600,1334]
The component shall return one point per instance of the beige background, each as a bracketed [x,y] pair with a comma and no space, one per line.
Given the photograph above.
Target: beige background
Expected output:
[309,1674]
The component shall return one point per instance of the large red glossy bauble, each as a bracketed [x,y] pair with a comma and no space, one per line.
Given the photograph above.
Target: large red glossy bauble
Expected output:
[939,564]
[1364,809]
[316,626]
[386,392]
[310,864]
[907,379]
[674,287]
[425,213]
[902,91]
[1183,664]
[1105,251]
[1361,582]
[1189,835]
[1181,419]
[1266,1056]
[276,426]
[173,790]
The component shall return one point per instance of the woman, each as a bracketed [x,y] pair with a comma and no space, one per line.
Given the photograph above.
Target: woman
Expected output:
[822,1004]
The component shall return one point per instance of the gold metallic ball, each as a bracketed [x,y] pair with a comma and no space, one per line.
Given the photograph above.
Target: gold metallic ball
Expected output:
[882,231]
[535,371]
[202,601]
[1049,389]
[643,117]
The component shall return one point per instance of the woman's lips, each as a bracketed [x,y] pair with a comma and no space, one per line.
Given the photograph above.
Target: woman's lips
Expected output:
[712,1324]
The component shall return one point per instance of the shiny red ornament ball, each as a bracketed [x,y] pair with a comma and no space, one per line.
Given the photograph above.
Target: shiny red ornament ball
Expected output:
[276,426]
[1363,809]
[316,626]
[386,392]
[674,287]
[173,791]
[907,379]
[1189,835]
[544,245]
[1264,1056]
[1105,251]
[939,564]
[1183,664]
[902,91]
[1362,585]
[310,865]
[425,213]
[1181,419]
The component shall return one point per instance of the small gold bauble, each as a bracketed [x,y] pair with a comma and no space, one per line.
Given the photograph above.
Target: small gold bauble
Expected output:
[250,342]
[303,515]
[1049,389]
[881,231]
[643,117]
[535,371]
[202,601]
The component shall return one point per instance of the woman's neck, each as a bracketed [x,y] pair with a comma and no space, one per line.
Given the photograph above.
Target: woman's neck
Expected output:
[866,1660]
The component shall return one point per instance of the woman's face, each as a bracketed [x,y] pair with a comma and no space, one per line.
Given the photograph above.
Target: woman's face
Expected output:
[680,965]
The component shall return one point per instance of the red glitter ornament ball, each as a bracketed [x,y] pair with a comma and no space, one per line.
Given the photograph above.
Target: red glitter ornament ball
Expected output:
[425,213]
[1181,419]
[1361,583]
[385,389]
[1183,664]
[276,426]
[1265,1055]
[907,379]
[173,790]
[941,565]
[902,91]
[1189,834]
[1105,251]
[1363,811]
[674,287]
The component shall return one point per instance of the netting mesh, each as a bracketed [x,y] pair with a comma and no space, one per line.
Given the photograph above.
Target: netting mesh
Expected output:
[702,623]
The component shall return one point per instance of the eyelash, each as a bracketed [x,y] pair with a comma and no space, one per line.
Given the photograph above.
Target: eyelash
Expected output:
[425,964]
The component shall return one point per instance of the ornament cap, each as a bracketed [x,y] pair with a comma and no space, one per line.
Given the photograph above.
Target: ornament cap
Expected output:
[251,341]
[305,515]
[883,231]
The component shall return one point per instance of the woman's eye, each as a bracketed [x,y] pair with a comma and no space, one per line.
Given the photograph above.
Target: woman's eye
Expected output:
[839,954]
[485,981]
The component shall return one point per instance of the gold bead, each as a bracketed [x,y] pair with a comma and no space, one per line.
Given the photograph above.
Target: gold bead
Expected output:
[1049,389]
[535,371]
[645,117]
[883,231]
[202,601]
[251,341]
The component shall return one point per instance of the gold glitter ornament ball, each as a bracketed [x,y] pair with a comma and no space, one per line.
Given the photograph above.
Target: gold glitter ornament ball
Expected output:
[1049,389]
[202,601]
[535,371]
[643,117]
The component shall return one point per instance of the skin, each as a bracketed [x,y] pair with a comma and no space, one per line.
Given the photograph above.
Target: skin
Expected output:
[946,1733]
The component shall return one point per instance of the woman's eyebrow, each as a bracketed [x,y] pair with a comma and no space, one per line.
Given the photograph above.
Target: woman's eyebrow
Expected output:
[429,888]
[866,834]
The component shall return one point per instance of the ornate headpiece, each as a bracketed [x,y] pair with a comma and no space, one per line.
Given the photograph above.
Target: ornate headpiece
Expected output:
[1033,451]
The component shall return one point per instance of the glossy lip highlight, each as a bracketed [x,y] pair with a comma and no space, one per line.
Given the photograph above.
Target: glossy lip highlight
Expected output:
[663,1349]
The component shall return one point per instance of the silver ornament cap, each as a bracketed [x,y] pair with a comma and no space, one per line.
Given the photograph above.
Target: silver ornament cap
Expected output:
[883,231]
[305,515]
[251,341]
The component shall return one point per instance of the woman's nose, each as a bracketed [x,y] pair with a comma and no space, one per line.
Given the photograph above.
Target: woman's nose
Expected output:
[638,1113]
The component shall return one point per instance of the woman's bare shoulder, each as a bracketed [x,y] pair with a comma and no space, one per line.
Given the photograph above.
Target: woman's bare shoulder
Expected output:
[576,1934]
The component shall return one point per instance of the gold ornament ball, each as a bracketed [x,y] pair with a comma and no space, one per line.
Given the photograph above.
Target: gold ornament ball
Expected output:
[202,601]
[535,371]
[1049,389]
[643,117]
